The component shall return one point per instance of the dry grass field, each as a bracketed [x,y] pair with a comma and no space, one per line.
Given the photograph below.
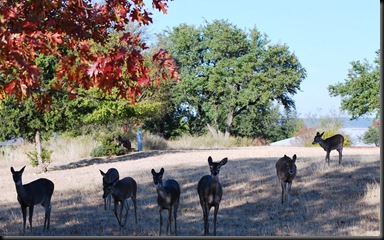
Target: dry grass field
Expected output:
[340,200]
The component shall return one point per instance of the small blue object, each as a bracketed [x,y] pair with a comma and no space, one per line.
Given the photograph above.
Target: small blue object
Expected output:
[139,140]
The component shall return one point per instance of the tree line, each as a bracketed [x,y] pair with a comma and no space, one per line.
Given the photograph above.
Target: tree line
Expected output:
[214,78]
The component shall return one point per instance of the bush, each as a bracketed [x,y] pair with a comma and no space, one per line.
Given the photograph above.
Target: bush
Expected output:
[109,146]
[153,142]
[372,135]
[45,158]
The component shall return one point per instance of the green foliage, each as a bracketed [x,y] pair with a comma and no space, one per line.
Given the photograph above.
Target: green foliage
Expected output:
[227,73]
[360,93]
[267,123]
[372,135]
[108,147]
[330,125]
[45,157]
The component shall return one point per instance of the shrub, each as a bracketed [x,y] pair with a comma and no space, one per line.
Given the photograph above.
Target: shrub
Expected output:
[109,146]
[372,135]
[45,158]
[153,142]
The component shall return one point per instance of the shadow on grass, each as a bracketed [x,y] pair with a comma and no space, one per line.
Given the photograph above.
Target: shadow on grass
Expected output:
[324,203]
[127,157]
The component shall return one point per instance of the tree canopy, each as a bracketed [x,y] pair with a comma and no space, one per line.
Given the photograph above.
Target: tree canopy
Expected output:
[360,92]
[66,29]
[227,72]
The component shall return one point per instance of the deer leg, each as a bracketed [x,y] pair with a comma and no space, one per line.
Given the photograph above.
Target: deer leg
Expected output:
[121,213]
[126,211]
[327,158]
[47,207]
[340,154]
[175,215]
[169,230]
[115,211]
[30,216]
[289,193]
[161,221]
[283,186]
[24,211]
[204,206]
[216,209]
[134,206]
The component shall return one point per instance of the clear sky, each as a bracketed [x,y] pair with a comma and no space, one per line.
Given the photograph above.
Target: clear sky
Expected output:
[325,35]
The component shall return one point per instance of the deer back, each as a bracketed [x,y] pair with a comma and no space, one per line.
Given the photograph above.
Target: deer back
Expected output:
[331,143]
[35,192]
[286,168]
[335,142]
[124,189]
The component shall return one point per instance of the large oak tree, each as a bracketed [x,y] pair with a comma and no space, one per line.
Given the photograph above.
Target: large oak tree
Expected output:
[227,73]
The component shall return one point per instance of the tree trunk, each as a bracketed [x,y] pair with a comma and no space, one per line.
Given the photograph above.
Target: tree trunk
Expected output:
[213,131]
[39,150]
[228,126]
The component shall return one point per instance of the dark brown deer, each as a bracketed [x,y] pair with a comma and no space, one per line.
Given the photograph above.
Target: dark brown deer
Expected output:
[286,172]
[37,192]
[168,197]
[121,191]
[109,178]
[335,142]
[210,192]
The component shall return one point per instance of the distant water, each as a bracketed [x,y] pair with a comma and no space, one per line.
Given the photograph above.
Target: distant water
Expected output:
[357,123]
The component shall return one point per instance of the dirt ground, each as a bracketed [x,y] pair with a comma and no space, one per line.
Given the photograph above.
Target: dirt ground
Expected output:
[340,200]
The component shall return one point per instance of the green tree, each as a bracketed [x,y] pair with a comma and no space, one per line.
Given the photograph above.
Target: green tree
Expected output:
[22,119]
[373,134]
[360,93]
[227,72]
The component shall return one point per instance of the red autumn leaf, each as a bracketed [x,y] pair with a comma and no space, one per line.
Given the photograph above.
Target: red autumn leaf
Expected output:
[65,28]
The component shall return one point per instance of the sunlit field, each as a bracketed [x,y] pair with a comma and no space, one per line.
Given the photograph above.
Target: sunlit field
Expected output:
[340,200]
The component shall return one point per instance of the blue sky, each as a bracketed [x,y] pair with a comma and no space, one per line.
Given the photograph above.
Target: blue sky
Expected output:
[325,35]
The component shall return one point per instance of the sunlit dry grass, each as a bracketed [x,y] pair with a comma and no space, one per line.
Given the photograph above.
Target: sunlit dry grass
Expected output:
[326,201]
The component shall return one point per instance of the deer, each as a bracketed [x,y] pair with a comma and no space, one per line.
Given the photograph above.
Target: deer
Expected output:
[36,192]
[122,190]
[286,172]
[109,178]
[210,192]
[335,142]
[168,197]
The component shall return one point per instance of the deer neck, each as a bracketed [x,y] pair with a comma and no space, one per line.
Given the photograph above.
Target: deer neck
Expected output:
[323,144]
[215,180]
[20,189]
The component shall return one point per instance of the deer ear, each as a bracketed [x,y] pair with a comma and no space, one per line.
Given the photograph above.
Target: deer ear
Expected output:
[210,161]
[153,171]
[223,161]
[322,134]
[294,157]
[22,170]
[162,170]
[102,173]
[12,170]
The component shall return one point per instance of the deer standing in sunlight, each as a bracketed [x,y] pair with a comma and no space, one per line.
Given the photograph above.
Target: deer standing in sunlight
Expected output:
[109,178]
[36,192]
[168,197]
[210,192]
[286,172]
[121,191]
[335,142]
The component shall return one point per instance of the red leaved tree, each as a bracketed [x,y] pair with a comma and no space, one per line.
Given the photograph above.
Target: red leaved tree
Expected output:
[67,28]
